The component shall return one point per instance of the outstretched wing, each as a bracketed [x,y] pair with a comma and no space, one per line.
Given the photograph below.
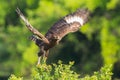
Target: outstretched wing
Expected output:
[69,23]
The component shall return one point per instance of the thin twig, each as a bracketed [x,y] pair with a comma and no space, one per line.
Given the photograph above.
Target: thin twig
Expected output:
[31,28]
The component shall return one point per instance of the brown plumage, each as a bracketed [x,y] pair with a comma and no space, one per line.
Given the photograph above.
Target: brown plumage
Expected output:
[66,25]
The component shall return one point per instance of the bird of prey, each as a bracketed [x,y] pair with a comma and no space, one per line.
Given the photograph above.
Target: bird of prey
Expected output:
[70,23]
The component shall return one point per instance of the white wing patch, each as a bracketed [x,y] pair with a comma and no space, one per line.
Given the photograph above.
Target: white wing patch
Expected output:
[74,19]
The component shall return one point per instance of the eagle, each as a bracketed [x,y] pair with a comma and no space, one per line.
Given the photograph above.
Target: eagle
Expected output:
[68,24]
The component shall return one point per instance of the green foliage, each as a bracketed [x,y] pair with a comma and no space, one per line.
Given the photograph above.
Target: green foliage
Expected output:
[56,71]
[13,77]
[97,43]
[104,74]
[62,71]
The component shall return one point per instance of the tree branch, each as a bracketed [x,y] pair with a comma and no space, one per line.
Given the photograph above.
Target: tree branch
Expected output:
[31,28]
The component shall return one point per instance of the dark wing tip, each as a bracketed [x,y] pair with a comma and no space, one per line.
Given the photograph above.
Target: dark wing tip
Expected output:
[83,11]
[18,10]
[85,14]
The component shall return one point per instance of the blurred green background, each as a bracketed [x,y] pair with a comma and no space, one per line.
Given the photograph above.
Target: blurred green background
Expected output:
[97,43]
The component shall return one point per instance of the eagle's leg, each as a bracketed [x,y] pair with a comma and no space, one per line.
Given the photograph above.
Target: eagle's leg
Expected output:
[41,55]
[39,58]
[46,53]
